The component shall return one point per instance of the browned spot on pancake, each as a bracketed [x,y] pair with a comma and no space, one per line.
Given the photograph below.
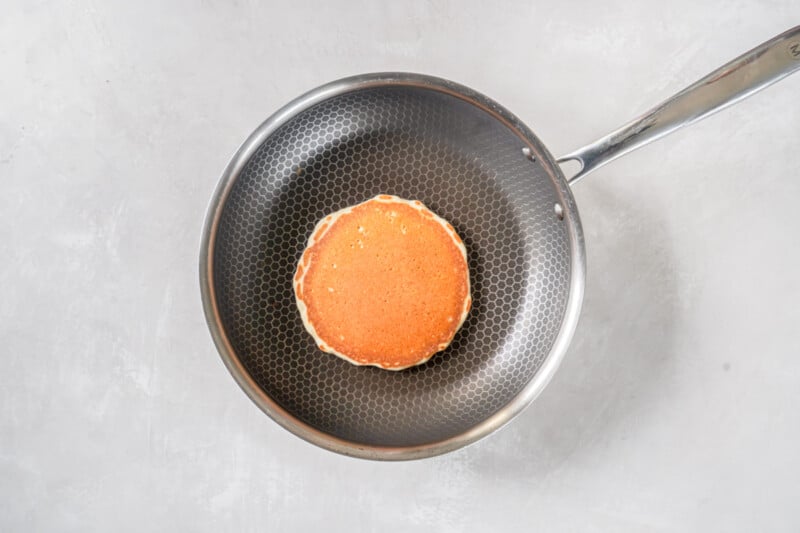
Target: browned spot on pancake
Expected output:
[386,284]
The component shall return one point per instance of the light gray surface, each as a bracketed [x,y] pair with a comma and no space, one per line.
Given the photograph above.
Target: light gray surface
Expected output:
[676,408]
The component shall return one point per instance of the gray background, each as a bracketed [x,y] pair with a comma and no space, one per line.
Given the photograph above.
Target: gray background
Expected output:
[676,408]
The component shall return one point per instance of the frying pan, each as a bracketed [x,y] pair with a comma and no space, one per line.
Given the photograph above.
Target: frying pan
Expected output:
[474,163]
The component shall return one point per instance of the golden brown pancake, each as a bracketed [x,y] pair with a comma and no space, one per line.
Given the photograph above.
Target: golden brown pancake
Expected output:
[383,283]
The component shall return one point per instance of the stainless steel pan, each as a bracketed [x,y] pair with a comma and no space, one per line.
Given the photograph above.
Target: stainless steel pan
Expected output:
[475,164]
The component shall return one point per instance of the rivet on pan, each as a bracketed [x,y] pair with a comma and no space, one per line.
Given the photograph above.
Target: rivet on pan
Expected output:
[527,153]
[559,211]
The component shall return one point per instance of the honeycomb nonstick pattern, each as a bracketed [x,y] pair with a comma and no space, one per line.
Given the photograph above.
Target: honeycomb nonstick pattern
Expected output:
[419,144]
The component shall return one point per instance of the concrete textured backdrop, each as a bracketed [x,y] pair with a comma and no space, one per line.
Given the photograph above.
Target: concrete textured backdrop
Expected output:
[676,408]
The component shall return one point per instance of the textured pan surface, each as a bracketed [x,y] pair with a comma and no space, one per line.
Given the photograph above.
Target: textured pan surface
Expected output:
[465,165]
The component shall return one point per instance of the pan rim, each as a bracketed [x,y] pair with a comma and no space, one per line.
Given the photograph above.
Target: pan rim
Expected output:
[303,430]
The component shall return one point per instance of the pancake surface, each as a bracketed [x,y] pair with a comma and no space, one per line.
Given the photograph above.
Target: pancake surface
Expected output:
[383,283]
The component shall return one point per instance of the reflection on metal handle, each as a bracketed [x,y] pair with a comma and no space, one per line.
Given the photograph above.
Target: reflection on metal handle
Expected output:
[760,67]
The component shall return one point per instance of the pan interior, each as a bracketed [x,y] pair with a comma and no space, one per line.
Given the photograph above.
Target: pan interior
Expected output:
[464,164]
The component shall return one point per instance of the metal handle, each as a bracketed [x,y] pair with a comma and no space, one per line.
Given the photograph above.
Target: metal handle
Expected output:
[760,67]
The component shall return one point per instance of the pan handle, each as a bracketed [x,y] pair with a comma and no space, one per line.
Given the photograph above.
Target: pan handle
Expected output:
[760,67]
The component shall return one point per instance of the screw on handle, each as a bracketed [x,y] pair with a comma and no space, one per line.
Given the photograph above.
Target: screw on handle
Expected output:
[747,74]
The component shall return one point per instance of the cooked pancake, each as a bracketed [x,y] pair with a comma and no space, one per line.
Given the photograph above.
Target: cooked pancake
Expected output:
[383,283]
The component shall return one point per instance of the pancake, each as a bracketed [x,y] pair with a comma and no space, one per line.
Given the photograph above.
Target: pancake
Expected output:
[383,283]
